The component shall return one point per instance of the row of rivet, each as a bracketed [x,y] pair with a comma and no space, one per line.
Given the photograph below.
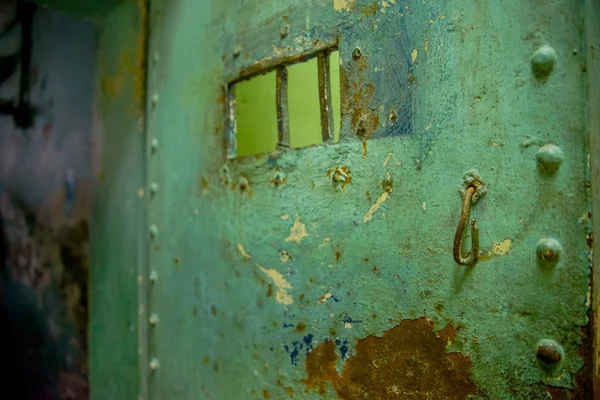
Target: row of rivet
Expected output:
[153,229]
[549,158]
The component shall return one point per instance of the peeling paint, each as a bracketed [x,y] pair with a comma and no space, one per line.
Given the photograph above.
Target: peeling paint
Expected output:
[413,55]
[500,248]
[297,232]
[325,242]
[242,251]
[281,284]
[284,256]
[325,297]
[344,5]
[369,215]
[402,361]
[387,159]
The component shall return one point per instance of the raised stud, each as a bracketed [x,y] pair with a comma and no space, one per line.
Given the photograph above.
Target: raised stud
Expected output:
[153,320]
[393,116]
[153,230]
[356,53]
[549,352]
[548,251]
[153,277]
[543,60]
[154,144]
[153,187]
[549,158]
[154,364]
[155,98]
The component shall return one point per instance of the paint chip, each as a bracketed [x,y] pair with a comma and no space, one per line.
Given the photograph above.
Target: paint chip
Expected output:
[140,192]
[387,159]
[501,248]
[348,325]
[242,251]
[343,5]
[284,256]
[426,46]
[413,55]
[285,217]
[281,284]
[325,242]
[297,232]
[424,206]
[369,215]
[325,297]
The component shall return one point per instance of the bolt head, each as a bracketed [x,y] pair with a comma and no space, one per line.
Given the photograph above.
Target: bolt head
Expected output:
[549,158]
[153,277]
[543,60]
[153,319]
[356,53]
[548,251]
[154,144]
[153,230]
[549,352]
[153,187]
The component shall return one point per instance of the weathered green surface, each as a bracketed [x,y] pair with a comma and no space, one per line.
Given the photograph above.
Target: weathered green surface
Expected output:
[91,9]
[118,215]
[250,281]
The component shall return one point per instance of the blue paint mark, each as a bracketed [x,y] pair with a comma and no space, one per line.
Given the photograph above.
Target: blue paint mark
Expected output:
[349,320]
[288,325]
[70,191]
[297,346]
[335,299]
[308,341]
[343,347]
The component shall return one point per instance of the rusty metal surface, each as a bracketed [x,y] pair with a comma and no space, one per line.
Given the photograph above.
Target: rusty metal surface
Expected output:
[278,290]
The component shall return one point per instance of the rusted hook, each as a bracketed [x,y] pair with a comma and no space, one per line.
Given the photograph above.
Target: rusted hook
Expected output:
[471,258]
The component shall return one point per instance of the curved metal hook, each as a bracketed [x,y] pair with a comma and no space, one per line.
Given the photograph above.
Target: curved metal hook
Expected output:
[471,258]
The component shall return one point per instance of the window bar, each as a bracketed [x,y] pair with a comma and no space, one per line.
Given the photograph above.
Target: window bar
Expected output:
[325,96]
[283,123]
[231,124]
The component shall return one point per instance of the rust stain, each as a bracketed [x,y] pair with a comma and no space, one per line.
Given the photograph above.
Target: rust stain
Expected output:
[398,364]
[369,11]
[301,327]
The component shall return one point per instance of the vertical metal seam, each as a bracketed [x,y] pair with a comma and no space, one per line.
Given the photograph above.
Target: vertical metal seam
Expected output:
[325,96]
[143,257]
[231,122]
[283,124]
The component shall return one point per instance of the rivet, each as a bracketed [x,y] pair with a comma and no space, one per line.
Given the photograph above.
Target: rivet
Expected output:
[543,60]
[153,187]
[153,231]
[575,52]
[548,251]
[154,99]
[155,57]
[356,53]
[154,364]
[153,320]
[549,158]
[548,351]
[153,277]
[154,144]
[393,115]
[236,51]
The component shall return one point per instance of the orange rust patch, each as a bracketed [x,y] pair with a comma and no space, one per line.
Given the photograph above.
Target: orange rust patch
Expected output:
[300,327]
[399,364]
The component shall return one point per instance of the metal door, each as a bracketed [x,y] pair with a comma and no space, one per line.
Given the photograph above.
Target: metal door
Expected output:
[328,271]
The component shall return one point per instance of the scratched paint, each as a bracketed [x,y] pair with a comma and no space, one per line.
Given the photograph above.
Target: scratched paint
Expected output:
[450,103]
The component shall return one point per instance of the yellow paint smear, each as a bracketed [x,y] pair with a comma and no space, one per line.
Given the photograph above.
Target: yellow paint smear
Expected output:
[426,46]
[297,232]
[281,284]
[343,5]
[242,251]
[387,159]
[369,215]
[413,55]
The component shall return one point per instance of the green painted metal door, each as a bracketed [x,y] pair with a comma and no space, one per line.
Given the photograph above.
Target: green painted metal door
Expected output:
[328,271]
